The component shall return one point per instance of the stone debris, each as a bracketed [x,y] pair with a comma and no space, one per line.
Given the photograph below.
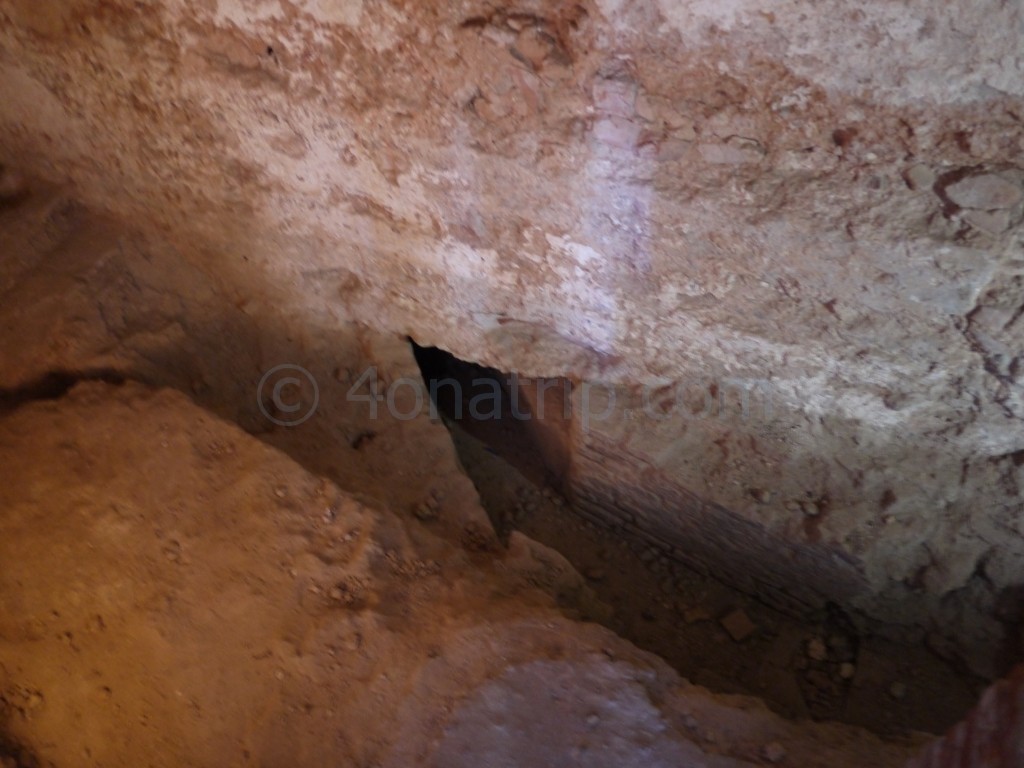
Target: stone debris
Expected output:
[738,625]
[898,690]
[774,752]
[816,649]
[986,192]
[696,613]
[239,636]
[919,177]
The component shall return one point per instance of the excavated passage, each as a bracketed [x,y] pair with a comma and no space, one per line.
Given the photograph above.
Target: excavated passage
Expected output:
[378,550]
[524,421]
[805,664]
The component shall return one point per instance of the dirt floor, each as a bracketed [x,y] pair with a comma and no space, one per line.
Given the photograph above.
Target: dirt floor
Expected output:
[817,666]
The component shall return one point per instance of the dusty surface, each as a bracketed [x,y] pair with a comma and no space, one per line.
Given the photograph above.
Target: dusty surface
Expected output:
[823,198]
[176,593]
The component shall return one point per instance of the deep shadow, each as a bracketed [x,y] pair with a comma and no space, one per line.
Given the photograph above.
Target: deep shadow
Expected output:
[54,385]
[501,410]
[14,754]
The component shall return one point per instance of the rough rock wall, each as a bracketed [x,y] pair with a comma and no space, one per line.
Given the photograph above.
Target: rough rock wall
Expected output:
[624,492]
[824,198]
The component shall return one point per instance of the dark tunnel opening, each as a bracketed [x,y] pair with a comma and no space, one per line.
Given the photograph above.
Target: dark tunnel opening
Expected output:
[524,421]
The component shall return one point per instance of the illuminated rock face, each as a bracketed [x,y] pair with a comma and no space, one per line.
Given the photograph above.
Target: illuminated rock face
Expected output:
[814,203]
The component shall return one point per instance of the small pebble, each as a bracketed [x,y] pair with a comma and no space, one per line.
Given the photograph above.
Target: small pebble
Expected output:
[816,649]
[695,613]
[898,690]
[992,222]
[644,108]
[738,625]
[847,670]
[810,508]
[774,752]
[919,177]
[424,512]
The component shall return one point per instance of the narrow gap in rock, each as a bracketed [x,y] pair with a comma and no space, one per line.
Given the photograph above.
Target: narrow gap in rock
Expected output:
[525,422]
[53,385]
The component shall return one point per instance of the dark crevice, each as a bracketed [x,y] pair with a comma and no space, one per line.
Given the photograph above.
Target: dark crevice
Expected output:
[500,410]
[989,362]
[15,755]
[803,664]
[54,385]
